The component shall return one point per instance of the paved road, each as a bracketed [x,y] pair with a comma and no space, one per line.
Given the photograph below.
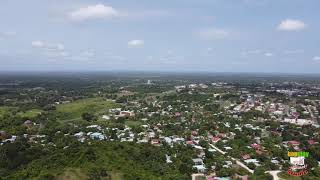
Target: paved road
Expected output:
[244,166]
[234,159]
[311,113]
[219,150]
[274,174]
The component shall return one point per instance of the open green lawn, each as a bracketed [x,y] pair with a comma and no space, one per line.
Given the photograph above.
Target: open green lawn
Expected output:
[5,109]
[133,123]
[30,113]
[73,110]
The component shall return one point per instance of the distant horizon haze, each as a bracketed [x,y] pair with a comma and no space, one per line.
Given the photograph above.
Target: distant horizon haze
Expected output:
[243,36]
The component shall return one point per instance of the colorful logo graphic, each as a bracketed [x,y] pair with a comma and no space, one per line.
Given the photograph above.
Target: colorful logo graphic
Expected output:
[298,166]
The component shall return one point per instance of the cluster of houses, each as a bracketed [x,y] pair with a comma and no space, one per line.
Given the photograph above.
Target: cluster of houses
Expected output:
[5,138]
[277,111]
[191,86]
[118,112]
[217,141]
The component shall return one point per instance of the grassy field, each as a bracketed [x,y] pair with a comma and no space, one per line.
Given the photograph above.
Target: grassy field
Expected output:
[73,110]
[30,113]
[133,123]
[5,109]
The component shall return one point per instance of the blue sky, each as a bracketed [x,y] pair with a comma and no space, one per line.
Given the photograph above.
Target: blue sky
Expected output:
[167,35]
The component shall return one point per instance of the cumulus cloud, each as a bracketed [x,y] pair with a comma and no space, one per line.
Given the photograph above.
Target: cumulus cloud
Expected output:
[291,25]
[38,44]
[212,34]
[316,58]
[93,12]
[136,43]
[103,12]
[48,46]
[268,54]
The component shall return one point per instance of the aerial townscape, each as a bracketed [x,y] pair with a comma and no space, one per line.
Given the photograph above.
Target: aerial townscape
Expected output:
[101,126]
[159,90]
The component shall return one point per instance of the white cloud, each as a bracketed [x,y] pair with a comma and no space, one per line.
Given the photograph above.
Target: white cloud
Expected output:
[48,46]
[316,58]
[38,44]
[291,25]
[101,11]
[212,34]
[136,43]
[268,54]
[98,11]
